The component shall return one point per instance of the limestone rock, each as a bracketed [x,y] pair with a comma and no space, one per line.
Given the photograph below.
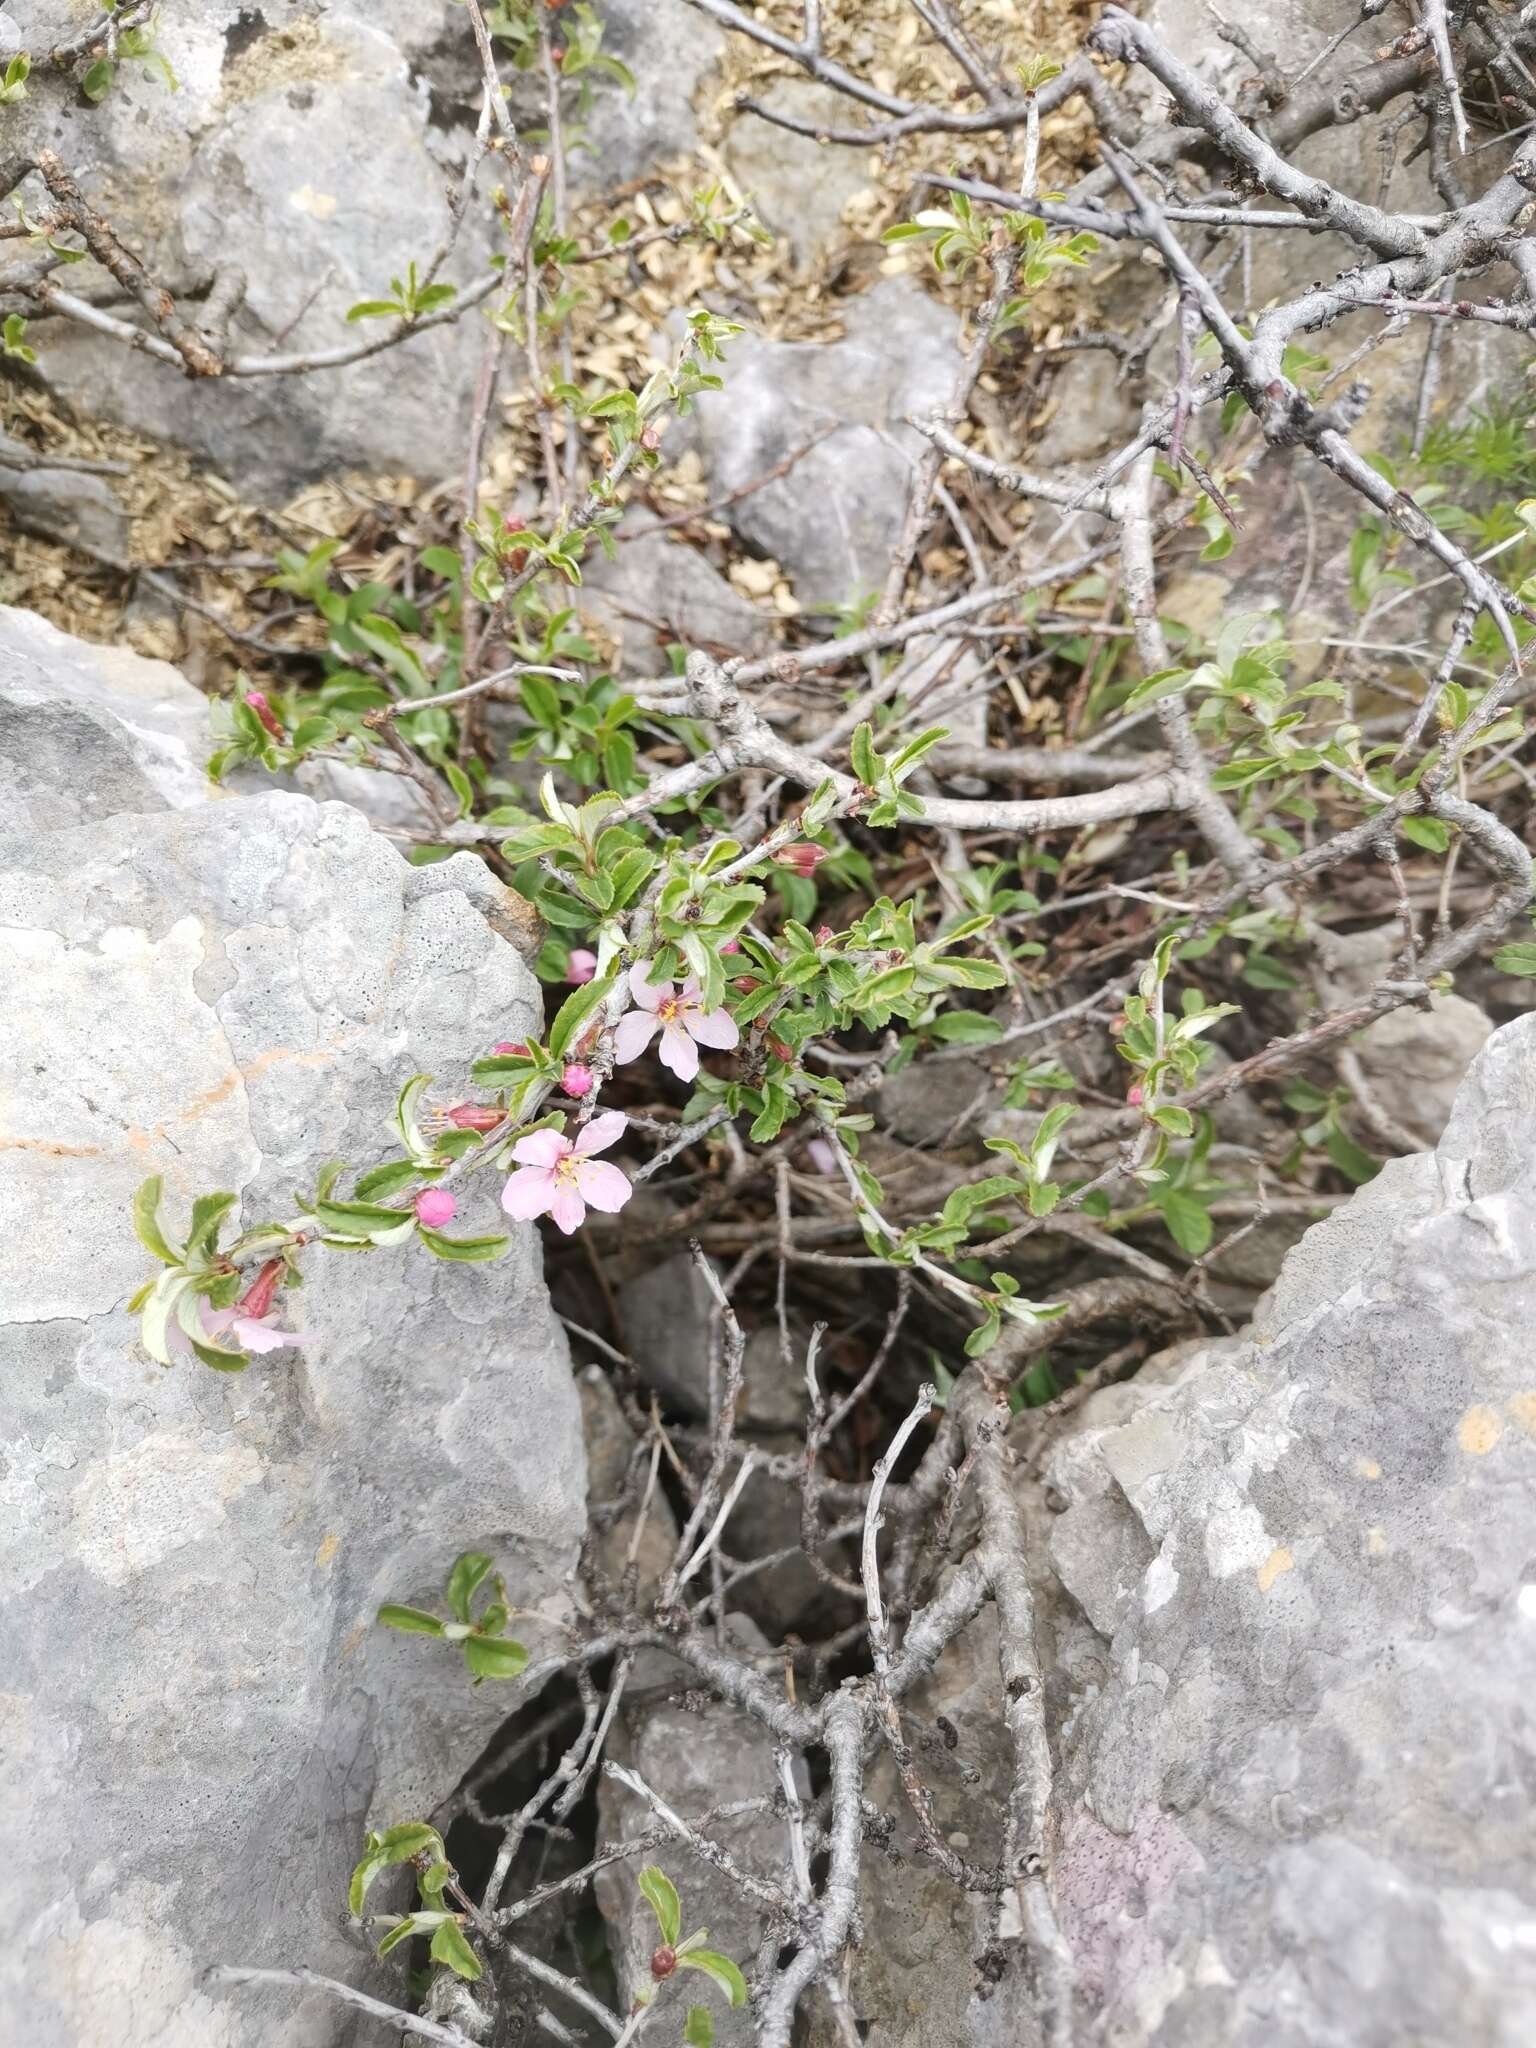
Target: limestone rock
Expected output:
[1296,1807]
[834,518]
[798,187]
[201,1716]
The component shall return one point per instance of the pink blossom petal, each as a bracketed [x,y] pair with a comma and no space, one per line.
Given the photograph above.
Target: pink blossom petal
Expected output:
[603,1131]
[823,1158]
[714,1028]
[528,1193]
[642,991]
[602,1186]
[690,995]
[636,1029]
[256,1336]
[567,1208]
[679,1052]
[216,1320]
[541,1148]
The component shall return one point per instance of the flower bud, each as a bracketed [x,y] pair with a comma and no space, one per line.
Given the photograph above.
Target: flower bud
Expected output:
[825,935]
[731,946]
[577,1080]
[663,1962]
[476,1116]
[803,857]
[258,1297]
[1135,1095]
[779,1049]
[435,1207]
[514,1046]
[263,710]
[580,967]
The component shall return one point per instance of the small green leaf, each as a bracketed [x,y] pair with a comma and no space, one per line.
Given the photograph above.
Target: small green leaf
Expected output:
[146,1222]
[450,1948]
[464,1251]
[97,82]
[720,1968]
[1519,958]
[411,1621]
[469,1573]
[574,1012]
[660,1894]
[1352,1160]
[1433,834]
[495,1657]
[699,2028]
[1188,1220]
[1173,1119]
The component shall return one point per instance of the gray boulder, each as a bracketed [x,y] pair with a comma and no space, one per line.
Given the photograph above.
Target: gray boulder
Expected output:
[1295,1801]
[834,518]
[201,1716]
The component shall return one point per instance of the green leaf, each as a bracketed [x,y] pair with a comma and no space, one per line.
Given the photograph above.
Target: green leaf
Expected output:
[208,1211]
[965,1027]
[464,1251]
[1519,958]
[1433,834]
[699,2028]
[392,1178]
[450,1948]
[723,1971]
[1352,1160]
[97,82]
[146,1222]
[1173,1119]
[1167,682]
[1188,1220]
[395,1845]
[375,309]
[660,1894]
[574,1012]
[410,1621]
[495,1657]
[469,1573]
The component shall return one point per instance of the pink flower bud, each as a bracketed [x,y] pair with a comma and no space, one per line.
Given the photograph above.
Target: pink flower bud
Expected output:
[476,1116]
[435,1207]
[731,946]
[258,1297]
[581,966]
[1135,1095]
[825,935]
[803,857]
[263,710]
[577,1080]
[515,1046]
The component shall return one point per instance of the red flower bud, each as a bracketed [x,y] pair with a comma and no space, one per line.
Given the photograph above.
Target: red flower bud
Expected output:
[745,984]
[779,1049]
[663,1962]
[258,1297]
[513,1046]
[731,946]
[263,710]
[476,1116]
[825,935]
[435,1207]
[802,857]
[1135,1095]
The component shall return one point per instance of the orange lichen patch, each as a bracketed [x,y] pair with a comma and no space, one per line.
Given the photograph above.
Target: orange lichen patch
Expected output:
[1522,1412]
[1479,1430]
[328,1549]
[1367,1468]
[1275,1566]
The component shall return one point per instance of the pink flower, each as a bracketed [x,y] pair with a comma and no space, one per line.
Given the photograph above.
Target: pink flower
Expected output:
[435,1207]
[731,946]
[822,1156]
[1135,1095]
[559,1177]
[230,1329]
[681,1018]
[803,856]
[581,966]
[577,1080]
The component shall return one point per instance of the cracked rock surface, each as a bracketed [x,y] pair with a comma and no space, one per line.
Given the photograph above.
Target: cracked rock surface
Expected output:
[193,1734]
